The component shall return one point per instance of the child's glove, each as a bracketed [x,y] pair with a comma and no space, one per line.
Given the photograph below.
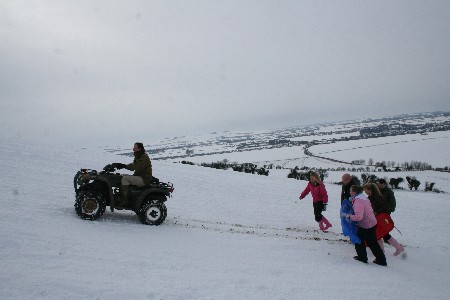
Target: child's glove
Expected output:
[300,198]
[324,207]
[344,215]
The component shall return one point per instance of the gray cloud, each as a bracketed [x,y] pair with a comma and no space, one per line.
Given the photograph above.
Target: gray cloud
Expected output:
[114,71]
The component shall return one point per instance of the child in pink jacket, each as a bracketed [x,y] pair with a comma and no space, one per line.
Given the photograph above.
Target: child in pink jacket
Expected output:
[320,199]
[367,225]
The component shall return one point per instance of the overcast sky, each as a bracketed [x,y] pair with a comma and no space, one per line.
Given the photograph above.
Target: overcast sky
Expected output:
[115,72]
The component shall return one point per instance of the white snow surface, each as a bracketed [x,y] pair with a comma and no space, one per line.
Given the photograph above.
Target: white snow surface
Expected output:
[228,235]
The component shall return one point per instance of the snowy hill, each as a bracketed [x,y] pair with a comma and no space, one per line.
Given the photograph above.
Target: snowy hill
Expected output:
[228,235]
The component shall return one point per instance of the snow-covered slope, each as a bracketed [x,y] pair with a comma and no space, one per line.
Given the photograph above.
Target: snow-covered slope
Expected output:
[228,235]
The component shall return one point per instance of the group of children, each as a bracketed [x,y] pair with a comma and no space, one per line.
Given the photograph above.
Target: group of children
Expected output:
[366,204]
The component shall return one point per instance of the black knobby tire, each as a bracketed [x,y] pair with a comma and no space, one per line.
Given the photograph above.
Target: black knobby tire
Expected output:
[90,205]
[152,213]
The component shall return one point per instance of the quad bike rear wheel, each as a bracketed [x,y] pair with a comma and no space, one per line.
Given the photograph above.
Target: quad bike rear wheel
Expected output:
[90,205]
[152,213]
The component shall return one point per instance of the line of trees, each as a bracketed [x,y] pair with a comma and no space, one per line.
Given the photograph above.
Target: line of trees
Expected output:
[394,166]
[225,165]
[302,173]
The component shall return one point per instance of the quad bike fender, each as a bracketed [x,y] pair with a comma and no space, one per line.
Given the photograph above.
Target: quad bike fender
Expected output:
[148,195]
[109,193]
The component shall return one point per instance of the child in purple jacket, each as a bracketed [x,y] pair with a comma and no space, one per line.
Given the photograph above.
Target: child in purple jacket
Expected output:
[320,199]
[367,224]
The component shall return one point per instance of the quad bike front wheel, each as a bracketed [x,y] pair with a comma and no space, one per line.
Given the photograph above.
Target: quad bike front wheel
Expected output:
[90,205]
[152,213]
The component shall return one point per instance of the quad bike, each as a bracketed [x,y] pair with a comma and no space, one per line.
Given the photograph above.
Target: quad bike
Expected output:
[97,190]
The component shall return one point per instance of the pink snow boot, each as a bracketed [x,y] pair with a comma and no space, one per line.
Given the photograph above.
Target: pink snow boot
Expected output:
[321,225]
[326,222]
[398,248]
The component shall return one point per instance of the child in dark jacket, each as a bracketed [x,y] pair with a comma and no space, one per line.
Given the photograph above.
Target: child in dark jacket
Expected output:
[379,205]
[320,199]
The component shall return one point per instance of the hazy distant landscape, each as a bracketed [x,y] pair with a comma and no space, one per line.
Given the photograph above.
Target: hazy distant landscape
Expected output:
[357,140]
[411,145]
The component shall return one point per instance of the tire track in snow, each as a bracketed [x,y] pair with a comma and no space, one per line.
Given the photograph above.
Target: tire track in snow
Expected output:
[261,231]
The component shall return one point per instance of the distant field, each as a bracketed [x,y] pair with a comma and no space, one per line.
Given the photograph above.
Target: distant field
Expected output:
[432,148]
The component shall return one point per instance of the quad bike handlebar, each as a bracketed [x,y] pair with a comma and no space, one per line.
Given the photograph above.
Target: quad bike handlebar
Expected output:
[113,167]
[109,168]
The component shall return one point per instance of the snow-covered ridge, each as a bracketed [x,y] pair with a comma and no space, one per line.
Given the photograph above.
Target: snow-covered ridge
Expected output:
[227,143]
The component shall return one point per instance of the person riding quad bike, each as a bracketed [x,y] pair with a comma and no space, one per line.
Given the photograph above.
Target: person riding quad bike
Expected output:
[142,167]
